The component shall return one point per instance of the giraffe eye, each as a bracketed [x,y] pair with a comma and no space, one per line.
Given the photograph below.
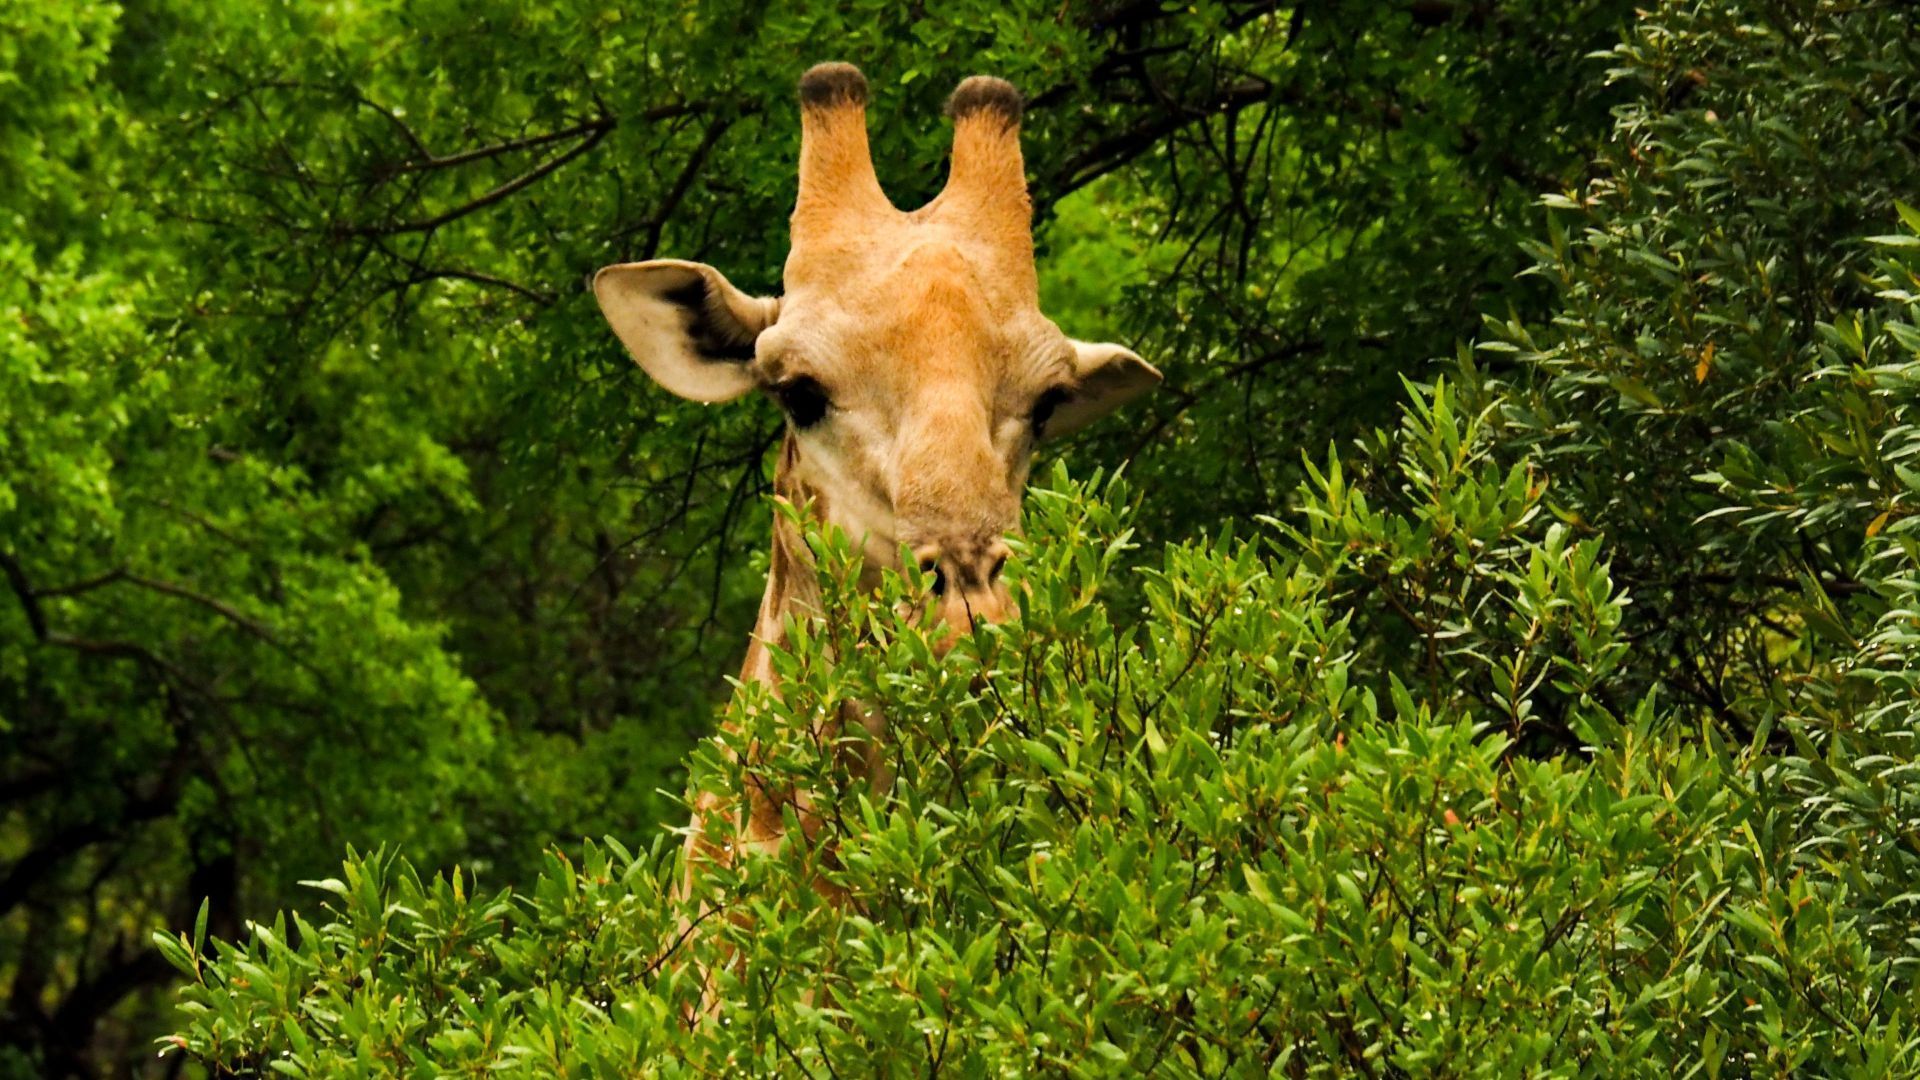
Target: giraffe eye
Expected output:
[804,400]
[1044,406]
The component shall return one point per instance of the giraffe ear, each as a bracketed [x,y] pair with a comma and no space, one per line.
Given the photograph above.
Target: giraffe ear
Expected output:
[686,325]
[1106,377]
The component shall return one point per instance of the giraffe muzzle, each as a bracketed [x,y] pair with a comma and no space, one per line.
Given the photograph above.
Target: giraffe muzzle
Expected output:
[966,587]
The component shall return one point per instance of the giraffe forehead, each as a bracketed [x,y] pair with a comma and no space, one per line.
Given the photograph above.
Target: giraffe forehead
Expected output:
[929,309]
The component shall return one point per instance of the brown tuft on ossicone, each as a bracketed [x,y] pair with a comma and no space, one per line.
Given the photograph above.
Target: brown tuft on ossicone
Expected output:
[831,85]
[984,93]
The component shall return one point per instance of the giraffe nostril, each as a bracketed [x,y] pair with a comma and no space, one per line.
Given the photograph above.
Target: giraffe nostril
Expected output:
[929,559]
[996,555]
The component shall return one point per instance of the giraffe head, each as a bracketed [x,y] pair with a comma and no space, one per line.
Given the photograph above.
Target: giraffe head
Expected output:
[908,351]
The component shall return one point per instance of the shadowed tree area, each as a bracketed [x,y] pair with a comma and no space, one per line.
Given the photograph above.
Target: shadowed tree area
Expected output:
[1499,655]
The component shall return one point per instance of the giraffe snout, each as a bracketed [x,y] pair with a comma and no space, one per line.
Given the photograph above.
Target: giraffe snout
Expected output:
[966,585]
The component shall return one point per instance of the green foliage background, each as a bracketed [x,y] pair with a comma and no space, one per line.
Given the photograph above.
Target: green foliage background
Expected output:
[1500,657]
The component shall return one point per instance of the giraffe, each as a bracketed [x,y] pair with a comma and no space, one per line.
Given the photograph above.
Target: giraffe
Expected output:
[915,369]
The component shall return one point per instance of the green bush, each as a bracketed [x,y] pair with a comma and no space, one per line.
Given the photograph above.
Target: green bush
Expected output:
[1195,846]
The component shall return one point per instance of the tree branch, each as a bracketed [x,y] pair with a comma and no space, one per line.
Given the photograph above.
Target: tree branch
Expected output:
[22,588]
[423,274]
[218,607]
[599,131]
[1113,153]
[482,153]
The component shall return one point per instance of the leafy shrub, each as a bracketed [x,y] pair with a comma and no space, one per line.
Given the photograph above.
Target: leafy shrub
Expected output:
[1700,273]
[1191,846]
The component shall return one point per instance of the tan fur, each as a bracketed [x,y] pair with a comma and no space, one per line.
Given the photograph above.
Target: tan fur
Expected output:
[924,329]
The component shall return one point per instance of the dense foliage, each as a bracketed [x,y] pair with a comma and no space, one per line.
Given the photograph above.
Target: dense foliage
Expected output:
[1555,714]
[1196,847]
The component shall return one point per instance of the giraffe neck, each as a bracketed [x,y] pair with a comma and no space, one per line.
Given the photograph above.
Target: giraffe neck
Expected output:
[791,588]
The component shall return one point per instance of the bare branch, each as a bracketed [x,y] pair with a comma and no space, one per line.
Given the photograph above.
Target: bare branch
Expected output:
[22,588]
[86,584]
[425,274]
[599,131]
[481,153]
[218,607]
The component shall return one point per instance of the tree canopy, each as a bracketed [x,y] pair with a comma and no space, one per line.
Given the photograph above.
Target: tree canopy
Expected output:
[1498,653]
